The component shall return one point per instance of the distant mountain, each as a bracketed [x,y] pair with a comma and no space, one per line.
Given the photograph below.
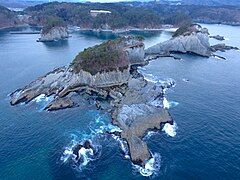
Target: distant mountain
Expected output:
[20,3]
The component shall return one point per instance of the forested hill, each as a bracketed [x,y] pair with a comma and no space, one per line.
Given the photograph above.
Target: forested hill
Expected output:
[123,15]
[7,18]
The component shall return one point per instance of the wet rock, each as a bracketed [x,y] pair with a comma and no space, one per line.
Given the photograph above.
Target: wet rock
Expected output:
[87,145]
[76,150]
[223,47]
[136,115]
[59,103]
[218,37]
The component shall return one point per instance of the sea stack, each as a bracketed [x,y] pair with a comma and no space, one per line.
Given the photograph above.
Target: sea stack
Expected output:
[53,34]
[187,39]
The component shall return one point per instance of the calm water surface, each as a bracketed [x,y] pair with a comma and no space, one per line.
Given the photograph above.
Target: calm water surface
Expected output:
[207,144]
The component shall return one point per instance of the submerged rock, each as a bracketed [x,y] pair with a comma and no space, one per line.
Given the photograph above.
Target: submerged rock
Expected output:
[53,34]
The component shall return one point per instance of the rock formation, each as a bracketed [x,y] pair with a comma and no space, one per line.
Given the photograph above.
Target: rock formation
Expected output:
[218,37]
[135,104]
[223,47]
[53,34]
[190,40]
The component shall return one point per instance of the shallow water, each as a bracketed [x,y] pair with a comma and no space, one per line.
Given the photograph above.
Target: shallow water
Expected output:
[207,143]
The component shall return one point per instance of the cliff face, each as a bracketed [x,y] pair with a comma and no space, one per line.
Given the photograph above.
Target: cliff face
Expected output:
[108,71]
[194,41]
[112,55]
[62,81]
[55,33]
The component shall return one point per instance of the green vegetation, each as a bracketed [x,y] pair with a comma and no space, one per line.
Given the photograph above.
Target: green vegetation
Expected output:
[122,16]
[180,31]
[52,22]
[105,57]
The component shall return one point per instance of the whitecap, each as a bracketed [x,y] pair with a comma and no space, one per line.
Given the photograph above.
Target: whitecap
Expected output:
[40,98]
[166,104]
[173,104]
[151,167]
[170,130]
[43,98]
[85,154]
[150,134]
[185,80]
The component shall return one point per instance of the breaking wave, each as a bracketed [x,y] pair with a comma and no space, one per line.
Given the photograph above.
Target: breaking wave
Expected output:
[86,155]
[170,130]
[166,104]
[43,98]
[152,166]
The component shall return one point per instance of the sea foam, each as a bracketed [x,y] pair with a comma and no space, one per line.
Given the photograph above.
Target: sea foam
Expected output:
[170,130]
[151,167]
[87,155]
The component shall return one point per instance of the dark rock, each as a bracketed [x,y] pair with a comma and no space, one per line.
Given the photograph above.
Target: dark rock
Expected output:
[218,37]
[87,145]
[223,47]
[76,150]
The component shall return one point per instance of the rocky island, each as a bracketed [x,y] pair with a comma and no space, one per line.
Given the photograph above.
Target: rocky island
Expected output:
[187,39]
[53,34]
[53,30]
[110,71]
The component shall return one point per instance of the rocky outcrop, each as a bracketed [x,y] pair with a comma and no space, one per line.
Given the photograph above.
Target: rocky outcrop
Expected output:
[62,81]
[137,113]
[59,103]
[136,105]
[53,34]
[218,37]
[223,47]
[194,41]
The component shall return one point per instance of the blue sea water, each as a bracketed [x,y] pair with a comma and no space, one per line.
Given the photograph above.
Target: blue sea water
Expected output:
[207,144]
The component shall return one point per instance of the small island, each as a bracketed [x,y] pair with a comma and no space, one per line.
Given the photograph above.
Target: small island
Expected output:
[54,30]
[190,38]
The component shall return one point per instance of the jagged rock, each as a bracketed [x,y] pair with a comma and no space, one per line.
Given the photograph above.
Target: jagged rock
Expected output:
[59,103]
[62,81]
[65,80]
[218,37]
[223,47]
[53,34]
[133,99]
[195,41]
[136,114]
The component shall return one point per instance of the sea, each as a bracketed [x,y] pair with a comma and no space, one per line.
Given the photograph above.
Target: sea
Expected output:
[204,104]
